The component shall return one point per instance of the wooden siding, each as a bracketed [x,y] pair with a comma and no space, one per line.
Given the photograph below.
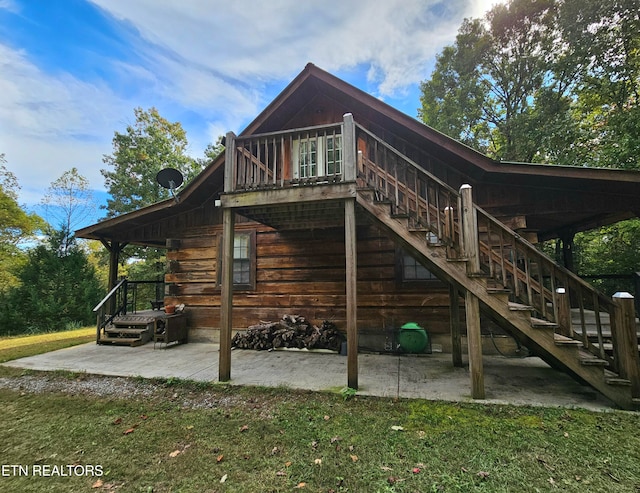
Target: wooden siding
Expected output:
[303,272]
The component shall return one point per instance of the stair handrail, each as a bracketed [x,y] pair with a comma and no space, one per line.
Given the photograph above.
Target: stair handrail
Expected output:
[110,294]
[511,260]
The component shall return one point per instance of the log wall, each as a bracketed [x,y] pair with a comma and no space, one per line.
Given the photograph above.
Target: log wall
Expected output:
[303,272]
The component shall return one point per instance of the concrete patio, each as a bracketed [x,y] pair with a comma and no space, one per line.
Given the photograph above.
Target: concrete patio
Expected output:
[519,381]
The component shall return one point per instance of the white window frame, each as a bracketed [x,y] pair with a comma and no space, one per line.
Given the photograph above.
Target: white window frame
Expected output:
[321,156]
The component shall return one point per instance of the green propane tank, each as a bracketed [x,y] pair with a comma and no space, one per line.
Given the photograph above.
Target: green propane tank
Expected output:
[413,338]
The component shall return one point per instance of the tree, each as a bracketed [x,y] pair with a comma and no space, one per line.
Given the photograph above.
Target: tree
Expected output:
[495,85]
[211,152]
[16,226]
[57,290]
[67,202]
[149,145]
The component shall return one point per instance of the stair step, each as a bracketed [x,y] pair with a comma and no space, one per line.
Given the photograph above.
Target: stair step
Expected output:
[125,330]
[517,307]
[565,341]
[498,291]
[123,341]
[538,323]
[588,359]
[400,215]
[622,382]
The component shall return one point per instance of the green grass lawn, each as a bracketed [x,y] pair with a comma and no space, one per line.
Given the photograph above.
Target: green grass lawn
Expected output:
[272,440]
[22,346]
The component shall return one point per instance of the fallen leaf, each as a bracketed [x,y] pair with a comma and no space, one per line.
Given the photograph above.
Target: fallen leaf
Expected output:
[416,470]
[327,418]
[354,458]
[117,421]
[288,464]
[190,427]
[175,453]
[566,435]
[483,475]
[97,484]
[130,430]
[143,416]
[244,428]
[281,473]
[275,451]
[219,458]
[223,478]
[551,481]
[318,462]
[386,468]
[314,444]
[301,485]
[397,428]
[335,439]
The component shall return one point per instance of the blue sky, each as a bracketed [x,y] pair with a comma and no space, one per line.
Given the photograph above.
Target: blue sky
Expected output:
[72,71]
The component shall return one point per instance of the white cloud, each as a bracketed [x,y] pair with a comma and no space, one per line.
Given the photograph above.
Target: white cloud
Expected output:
[250,42]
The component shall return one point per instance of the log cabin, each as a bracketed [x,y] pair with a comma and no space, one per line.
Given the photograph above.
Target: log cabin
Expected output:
[333,205]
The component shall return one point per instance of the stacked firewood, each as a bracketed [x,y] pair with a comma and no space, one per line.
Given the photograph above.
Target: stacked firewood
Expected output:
[292,331]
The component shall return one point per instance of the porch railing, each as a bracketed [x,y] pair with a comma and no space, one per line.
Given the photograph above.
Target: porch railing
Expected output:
[125,297]
[307,155]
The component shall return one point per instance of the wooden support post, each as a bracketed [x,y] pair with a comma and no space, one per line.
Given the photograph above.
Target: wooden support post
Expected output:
[625,341]
[352,292]
[564,313]
[454,324]
[474,342]
[230,162]
[449,231]
[226,295]
[470,230]
[349,147]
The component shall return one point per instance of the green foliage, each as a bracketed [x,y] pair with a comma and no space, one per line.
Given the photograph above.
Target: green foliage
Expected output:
[57,289]
[552,81]
[149,145]
[16,227]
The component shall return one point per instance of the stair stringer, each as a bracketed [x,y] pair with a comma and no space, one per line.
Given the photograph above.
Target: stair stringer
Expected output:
[541,341]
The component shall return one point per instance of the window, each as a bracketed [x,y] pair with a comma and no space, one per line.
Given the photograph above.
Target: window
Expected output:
[317,156]
[241,260]
[411,270]
[244,260]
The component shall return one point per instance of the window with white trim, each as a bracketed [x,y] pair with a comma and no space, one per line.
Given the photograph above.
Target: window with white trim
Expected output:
[317,156]
[410,270]
[244,260]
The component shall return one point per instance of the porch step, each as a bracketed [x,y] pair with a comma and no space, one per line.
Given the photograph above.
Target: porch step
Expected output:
[124,341]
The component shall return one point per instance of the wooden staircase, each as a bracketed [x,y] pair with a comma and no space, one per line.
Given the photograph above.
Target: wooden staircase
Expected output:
[129,330]
[525,292]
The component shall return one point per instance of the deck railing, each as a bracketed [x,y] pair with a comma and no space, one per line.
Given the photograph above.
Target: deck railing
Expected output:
[555,294]
[309,155]
[126,297]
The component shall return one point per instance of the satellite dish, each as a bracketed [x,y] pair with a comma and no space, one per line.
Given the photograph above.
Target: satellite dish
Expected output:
[171,179]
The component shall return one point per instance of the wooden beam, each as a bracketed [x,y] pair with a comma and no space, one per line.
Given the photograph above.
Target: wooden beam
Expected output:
[226,295]
[474,342]
[292,195]
[350,242]
[454,324]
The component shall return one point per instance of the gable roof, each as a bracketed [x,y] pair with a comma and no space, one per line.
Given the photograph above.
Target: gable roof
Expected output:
[314,86]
